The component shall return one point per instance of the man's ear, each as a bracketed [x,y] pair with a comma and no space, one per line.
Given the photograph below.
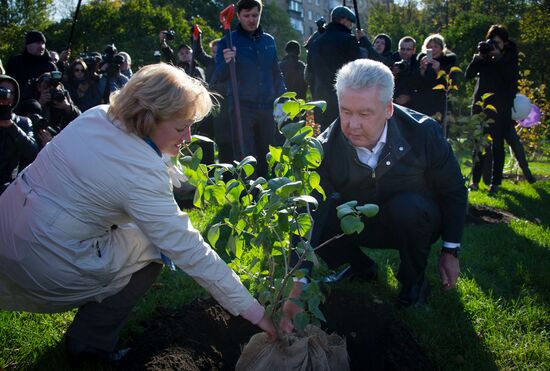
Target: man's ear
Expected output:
[389,110]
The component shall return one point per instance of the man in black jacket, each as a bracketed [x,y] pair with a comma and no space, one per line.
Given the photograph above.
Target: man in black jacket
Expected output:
[334,48]
[31,63]
[293,70]
[397,158]
[17,146]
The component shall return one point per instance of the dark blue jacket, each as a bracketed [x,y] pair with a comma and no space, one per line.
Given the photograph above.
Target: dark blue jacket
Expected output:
[259,78]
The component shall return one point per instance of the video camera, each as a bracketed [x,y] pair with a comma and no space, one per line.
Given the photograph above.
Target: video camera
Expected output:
[53,79]
[91,60]
[170,34]
[112,59]
[485,47]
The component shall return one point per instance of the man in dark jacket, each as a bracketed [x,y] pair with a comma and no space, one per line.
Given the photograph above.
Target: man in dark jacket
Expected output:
[17,146]
[406,72]
[31,63]
[398,159]
[259,81]
[334,48]
[293,70]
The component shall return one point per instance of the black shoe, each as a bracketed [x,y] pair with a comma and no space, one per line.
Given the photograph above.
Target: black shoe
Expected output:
[416,293]
[530,178]
[79,352]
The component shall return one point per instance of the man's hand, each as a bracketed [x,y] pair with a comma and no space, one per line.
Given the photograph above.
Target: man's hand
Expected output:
[229,54]
[267,325]
[290,309]
[65,54]
[359,33]
[449,268]
[44,136]
[63,105]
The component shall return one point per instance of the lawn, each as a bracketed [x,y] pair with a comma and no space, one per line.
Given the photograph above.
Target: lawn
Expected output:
[498,318]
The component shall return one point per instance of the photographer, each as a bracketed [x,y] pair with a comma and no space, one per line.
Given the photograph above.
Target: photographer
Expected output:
[111,78]
[56,105]
[185,55]
[406,72]
[435,57]
[81,85]
[495,65]
[17,145]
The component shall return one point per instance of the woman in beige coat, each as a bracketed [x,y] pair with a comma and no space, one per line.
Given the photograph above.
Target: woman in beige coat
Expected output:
[85,225]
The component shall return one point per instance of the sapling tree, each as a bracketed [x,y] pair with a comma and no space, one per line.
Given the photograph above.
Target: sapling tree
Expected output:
[268,226]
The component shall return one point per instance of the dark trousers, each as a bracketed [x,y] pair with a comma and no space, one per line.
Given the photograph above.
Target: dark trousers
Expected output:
[501,133]
[407,222]
[223,133]
[258,129]
[98,324]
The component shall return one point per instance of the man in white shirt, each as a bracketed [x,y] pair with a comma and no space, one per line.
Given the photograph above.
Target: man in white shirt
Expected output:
[378,152]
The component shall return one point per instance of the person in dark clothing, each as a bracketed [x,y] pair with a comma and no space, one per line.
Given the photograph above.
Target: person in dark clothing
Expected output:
[18,147]
[429,101]
[293,70]
[378,152]
[55,102]
[382,45]
[31,63]
[496,70]
[82,86]
[259,80]
[334,48]
[406,72]
[185,55]
[314,36]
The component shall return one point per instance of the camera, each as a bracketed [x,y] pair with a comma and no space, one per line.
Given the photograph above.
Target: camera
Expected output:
[54,79]
[485,47]
[157,56]
[403,65]
[6,93]
[170,34]
[91,60]
[38,122]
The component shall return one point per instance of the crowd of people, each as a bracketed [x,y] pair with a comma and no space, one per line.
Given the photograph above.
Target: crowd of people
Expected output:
[97,205]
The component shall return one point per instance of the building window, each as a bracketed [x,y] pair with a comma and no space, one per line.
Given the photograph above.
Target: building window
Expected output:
[316,2]
[309,15]
[297,25]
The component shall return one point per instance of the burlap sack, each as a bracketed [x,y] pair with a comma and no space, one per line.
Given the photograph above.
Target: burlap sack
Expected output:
[316,351]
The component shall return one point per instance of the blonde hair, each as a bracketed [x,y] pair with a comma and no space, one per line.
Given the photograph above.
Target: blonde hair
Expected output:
[158,92]
[438,39]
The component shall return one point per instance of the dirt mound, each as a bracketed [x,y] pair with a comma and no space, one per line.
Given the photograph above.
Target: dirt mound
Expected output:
[481,214]
[203,336]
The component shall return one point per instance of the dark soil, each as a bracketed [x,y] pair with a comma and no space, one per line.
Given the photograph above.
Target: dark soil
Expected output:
[481,214]
[203,336]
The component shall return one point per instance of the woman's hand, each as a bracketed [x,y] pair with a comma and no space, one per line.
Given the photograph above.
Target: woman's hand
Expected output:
[290,309]
[267,325]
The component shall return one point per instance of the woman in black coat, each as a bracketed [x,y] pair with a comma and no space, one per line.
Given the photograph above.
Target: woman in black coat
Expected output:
[495,65]
[427,100]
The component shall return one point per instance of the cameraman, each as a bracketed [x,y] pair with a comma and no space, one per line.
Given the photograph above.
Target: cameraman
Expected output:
[406,72]
[55,102]
[111,78]
[17,146]
[495,65]
[185,55]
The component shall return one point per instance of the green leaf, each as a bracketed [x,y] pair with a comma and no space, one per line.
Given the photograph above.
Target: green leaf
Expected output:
[486,95]
[352,203]
[214,234]
[248,170]
[301,135]
[439,87]
[351,224]
[291,108]
[276,183]
[321,104]
[340,213]
[247,160]
[305,200]
[314,157]
[288,94]
[202,138]
[368,210]
[276,152]
[282,220]
[291,128]
[300,320]
[287,189]
[302,225]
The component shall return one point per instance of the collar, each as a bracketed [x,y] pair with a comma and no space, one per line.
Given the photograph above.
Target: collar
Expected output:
[256,33]
[380,144]
[149,141]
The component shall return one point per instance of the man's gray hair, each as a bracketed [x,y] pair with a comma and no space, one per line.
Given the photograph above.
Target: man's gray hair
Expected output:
[363,74]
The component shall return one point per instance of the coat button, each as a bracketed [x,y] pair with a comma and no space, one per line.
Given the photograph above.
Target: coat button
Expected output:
[401,148]
[388,163]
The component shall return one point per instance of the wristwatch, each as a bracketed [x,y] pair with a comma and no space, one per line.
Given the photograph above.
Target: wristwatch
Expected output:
[453,251]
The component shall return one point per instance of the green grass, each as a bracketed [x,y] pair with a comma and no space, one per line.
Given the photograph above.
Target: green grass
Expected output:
[498,318]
